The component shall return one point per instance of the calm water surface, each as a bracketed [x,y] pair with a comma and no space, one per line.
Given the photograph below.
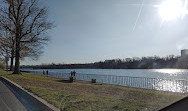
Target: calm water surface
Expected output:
[149,73]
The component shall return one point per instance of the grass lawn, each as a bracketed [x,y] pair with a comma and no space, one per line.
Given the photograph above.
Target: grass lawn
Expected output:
[80,96]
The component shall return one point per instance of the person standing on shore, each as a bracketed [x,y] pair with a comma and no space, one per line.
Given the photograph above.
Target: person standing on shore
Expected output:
[71,73]
[74,74]
[71,77]
[43,72]
[47,72]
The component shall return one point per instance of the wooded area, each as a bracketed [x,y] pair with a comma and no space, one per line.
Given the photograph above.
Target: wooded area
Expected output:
[154,62]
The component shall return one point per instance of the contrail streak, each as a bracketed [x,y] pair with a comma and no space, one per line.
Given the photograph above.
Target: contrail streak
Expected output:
[141,7]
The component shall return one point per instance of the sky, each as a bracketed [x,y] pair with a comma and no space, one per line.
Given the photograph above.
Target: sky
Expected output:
[88,31]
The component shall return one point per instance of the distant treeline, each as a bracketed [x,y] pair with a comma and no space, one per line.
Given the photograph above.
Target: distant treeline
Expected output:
[153,62]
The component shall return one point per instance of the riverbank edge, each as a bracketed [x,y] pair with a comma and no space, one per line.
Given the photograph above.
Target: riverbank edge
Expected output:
[184,94]
[28,99]
[13,77]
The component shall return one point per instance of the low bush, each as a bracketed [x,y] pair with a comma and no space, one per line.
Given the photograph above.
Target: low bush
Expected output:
[2,66]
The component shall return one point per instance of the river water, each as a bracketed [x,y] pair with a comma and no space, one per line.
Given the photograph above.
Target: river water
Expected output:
[149,73]
[175,80]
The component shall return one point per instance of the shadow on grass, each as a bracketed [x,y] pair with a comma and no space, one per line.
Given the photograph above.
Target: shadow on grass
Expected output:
[64,81]
[9,73]
[6,74]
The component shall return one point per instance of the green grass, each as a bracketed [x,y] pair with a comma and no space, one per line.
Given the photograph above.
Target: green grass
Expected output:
[80,96]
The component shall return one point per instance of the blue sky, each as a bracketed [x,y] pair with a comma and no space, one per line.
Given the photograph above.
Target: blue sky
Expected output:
[95,30]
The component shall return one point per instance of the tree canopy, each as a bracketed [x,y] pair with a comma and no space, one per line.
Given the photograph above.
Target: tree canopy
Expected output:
[26,22]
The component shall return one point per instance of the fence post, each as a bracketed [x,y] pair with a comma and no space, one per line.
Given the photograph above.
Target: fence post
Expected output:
[186,87]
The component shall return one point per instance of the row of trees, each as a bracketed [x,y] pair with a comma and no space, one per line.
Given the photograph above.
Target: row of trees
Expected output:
[23,26]
[154,62]
[2,64]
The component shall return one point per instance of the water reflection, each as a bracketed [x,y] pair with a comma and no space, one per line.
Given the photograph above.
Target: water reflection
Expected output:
[169,71]
[171,85]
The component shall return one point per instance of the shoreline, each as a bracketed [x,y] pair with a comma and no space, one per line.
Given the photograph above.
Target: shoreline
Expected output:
[159,84]
[81,96]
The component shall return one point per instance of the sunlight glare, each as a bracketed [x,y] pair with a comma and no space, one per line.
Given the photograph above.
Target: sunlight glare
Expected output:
[172,9]
[170,85]
[169,71]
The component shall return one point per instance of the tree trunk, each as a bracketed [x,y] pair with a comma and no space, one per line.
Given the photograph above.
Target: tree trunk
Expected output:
[11,63]
[12,56]
[6,59]
[17,58]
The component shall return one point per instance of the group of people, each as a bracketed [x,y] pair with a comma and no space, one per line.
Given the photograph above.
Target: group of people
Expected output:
[73,74]
[46,72]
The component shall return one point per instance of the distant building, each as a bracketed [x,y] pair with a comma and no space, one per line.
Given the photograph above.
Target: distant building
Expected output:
[184,52]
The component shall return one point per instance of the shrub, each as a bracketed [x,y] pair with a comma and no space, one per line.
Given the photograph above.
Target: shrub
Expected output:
[2,66]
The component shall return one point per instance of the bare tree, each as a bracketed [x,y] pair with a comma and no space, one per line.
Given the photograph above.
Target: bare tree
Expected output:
[28,22]
[7,40]
[5,49]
